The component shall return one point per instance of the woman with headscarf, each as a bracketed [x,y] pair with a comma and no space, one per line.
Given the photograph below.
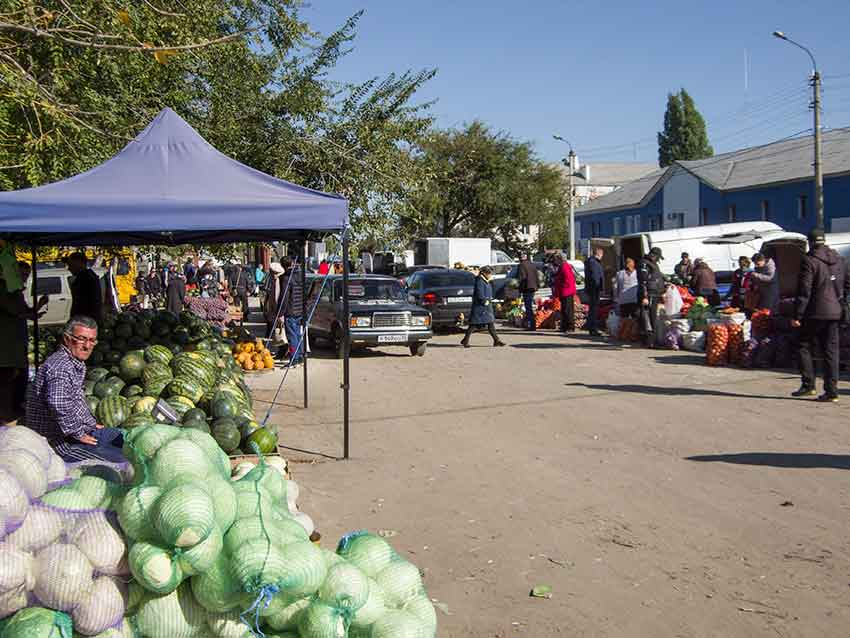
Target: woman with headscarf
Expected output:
[482,315]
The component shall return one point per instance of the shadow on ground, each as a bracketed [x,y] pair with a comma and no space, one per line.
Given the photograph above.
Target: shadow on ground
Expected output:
[672,392]
[802,460]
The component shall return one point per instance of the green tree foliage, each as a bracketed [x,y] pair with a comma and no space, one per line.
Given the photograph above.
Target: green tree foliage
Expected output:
[80,79]
[684,136]
[482,183]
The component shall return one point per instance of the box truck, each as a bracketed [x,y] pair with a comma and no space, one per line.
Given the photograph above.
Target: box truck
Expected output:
[448,251]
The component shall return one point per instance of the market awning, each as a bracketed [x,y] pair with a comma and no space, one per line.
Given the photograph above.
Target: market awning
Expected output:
[168,186]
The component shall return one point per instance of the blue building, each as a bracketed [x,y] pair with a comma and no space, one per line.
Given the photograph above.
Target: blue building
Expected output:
[774,182]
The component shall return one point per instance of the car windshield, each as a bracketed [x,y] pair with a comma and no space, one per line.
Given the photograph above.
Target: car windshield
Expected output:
[372,289]
[441,279]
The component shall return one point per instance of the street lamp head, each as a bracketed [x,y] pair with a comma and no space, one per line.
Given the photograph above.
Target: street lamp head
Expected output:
[780,35]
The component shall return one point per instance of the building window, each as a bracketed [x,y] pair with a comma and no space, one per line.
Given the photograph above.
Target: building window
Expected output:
[802,209]
[765,210]
[733,213]
[525,229]
[616,225]
[703,217]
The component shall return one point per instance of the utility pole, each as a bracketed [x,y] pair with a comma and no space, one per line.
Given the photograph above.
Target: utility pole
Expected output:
[815,82]
[818,151]
[572,219]
[570,162]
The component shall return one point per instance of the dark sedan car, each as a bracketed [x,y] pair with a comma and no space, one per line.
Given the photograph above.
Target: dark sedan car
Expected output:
[379,314]
[447,294]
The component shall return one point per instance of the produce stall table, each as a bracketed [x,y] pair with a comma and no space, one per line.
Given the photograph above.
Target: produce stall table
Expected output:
[169,186]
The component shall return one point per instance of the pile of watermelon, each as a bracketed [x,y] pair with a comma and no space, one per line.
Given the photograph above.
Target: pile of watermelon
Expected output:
[147,356]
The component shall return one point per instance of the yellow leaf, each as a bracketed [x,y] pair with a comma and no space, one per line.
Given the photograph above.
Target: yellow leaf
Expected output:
[124,17]
[162,56]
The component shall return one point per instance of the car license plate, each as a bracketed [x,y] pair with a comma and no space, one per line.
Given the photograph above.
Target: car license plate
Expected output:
[459,299]
[391,338]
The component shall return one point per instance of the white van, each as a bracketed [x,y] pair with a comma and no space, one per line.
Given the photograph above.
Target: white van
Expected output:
[56,284]
[721,256]
[784,247]
[840,243]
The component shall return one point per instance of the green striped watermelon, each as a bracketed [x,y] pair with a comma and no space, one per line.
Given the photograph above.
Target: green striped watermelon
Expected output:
[224,405]
[159,354]
[108,387]
[156,371]
[157,387]
[138,419]
[112,411]
[264,439]
[97,374]
[185,387]
[92,402]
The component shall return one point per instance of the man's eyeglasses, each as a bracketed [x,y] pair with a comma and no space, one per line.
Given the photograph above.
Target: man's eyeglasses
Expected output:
[78,339]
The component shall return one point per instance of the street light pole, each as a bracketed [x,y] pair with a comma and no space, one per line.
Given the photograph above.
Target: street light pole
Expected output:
[816,106]
[571,221]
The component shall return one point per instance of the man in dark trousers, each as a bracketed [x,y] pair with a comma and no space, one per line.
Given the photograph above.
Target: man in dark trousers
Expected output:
[594,274]
[292,297]
[650,289]
[822,290]
[241,281]
[175,292]
[86,293]
[527,275]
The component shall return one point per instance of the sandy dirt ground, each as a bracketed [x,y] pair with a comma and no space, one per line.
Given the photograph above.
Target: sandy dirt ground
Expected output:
[656,496]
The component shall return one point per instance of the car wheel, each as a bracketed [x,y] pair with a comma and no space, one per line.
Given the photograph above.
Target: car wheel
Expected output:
[418,349]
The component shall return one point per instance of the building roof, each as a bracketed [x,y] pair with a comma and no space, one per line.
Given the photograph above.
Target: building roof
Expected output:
[611,173]
[785,161]
[774,163]
[630,195]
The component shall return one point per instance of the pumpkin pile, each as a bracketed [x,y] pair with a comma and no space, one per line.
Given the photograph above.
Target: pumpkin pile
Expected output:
[253,355]
[717,345]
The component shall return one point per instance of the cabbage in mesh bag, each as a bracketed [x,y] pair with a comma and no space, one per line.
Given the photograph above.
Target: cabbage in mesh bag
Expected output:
[37,622]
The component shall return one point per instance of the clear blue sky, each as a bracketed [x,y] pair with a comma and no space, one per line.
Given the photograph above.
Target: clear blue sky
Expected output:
[598,73]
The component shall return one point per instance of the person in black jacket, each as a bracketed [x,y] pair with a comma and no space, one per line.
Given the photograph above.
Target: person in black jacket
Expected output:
[650,289]
[241,282]
[527,275]
[176,291]
[86,293]
[594,275]
[153,288]
[822,290]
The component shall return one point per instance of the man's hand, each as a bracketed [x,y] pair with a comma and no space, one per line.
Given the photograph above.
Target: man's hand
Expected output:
[795,323]
[99,426]
[87,439]
[43,300]
[644,302]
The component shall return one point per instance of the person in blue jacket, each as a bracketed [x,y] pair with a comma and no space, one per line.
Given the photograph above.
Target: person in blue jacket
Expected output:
[594,274]
[482,308]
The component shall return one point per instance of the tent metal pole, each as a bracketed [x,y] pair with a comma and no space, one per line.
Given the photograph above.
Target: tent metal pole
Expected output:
[304,316]
[35,339]
[346,335]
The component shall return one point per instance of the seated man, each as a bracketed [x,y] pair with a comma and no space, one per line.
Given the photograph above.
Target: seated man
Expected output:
[56,405]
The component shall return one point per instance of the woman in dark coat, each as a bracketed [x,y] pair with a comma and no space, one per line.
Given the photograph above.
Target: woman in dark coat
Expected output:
[176,291]
[482,308]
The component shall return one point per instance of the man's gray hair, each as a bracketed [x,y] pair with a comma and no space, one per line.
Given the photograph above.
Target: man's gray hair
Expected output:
[79,320]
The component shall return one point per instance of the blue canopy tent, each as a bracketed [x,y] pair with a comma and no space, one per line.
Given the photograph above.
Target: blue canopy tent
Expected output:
[170,186]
